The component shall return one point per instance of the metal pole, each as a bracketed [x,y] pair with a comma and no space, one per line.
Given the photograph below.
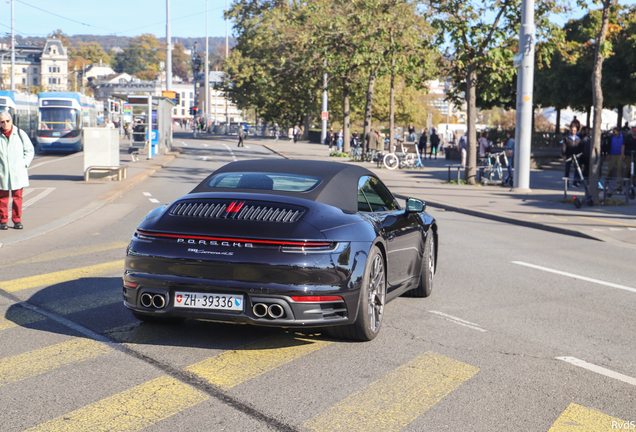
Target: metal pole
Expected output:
[149,127]
[227,53]
[12,50]
[168,49]
[325,105]
[525,64]
[207,68]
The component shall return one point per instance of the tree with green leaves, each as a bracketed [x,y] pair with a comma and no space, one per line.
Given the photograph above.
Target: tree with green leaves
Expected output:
[267,70]
[481,35]
[143,53]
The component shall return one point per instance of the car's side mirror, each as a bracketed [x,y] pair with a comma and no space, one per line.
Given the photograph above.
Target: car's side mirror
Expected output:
[414,205]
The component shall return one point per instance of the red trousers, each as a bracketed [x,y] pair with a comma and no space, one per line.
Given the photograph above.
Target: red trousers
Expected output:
[16,209]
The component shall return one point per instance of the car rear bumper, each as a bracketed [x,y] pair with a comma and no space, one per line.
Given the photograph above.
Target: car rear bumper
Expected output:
[277,303]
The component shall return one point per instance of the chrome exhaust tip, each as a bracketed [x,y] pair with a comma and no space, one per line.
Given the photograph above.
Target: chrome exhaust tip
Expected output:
[146,300]
[260,310]
[158,301]
[275,311]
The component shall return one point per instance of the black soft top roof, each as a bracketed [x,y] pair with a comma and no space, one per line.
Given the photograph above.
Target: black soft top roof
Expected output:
[339,186]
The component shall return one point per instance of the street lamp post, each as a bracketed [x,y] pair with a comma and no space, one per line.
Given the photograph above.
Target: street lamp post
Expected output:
[524,61]
[207,68]
[12,50]
[168,49]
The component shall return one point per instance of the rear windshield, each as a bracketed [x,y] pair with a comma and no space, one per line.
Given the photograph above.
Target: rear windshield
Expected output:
[264,181]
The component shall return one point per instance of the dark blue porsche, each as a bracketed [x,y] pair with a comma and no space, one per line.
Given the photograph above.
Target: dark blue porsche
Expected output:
[287,243]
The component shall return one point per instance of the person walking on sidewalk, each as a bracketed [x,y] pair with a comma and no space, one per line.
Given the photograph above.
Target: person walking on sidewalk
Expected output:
[571,145]
[241,136]
[616,155]
[510,154]
[434,144]
[421,145]
[16,154]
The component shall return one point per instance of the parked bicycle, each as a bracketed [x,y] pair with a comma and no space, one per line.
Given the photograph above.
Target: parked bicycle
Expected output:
[402,159]
[492,169]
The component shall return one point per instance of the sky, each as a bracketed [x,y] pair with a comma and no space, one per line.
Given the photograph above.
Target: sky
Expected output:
[128,18]
[119,17]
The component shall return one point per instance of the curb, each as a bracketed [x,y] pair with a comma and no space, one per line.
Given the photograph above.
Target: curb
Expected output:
[95,205]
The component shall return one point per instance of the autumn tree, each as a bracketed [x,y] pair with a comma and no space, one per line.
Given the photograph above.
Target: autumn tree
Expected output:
[143,53]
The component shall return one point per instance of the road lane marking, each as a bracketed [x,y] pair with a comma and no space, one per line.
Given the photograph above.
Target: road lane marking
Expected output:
[458,321]
[17,316]
[61,276]
[577,418]
[596,281]
[148,194]
[38,197]
[394,401]
[70,252]
[154,200]
[232,368]
[606,221]
[131,410]
[40,361]
[599,370]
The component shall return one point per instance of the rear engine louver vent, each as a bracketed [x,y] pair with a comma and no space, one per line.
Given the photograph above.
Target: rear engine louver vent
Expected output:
[262,212]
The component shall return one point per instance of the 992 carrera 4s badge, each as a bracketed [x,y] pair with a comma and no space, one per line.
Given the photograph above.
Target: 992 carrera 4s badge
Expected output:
[201,251]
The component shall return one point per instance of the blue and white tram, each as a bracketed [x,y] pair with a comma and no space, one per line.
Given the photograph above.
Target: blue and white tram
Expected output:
[23,108]
[61,118]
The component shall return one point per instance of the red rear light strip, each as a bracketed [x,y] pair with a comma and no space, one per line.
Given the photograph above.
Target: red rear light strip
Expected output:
[316,298]
[270,242]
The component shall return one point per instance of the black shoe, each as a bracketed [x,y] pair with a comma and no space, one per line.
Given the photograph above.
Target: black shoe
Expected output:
[576,184]
[18,225]
[4,226]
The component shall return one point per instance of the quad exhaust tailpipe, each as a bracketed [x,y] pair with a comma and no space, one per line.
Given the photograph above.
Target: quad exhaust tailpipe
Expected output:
[260,310]
[146,300]
[275,311]
[156,301]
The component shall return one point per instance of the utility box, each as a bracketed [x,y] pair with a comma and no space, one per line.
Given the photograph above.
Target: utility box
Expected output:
[101,147]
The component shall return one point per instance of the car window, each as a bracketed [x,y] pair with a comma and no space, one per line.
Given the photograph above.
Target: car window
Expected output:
[264,181]
[376,194]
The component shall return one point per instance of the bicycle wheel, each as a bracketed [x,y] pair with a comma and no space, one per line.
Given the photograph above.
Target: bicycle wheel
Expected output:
[391,161]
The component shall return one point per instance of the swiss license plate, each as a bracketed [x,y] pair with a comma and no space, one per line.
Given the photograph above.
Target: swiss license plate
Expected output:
[208,301]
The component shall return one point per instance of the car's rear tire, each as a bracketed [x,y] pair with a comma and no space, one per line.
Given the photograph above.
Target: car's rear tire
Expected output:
[371,304]
[157,319]
[425,286]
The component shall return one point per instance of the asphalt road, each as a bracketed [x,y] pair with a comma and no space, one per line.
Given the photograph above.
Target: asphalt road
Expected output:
[526,330]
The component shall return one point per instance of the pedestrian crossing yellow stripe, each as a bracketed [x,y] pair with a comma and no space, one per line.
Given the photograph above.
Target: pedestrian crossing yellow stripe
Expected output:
[234,367]
[131,410]
[61,276]
[38,362]
[394,401]
[577,418]
[70,252]
[17,316]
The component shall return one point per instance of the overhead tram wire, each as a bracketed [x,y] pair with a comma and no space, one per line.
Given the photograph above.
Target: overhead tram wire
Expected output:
[60,16]
[171,20]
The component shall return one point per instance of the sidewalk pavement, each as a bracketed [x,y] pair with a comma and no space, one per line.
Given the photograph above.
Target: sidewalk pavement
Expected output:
[540,208]
[60,199]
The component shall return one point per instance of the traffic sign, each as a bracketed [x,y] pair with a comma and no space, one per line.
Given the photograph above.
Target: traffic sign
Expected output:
[325,115]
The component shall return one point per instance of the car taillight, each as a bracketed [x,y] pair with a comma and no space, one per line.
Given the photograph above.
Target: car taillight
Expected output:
[130,284]
[316,298]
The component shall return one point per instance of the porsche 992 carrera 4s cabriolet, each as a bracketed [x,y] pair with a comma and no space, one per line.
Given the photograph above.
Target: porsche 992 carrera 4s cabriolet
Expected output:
[287,243]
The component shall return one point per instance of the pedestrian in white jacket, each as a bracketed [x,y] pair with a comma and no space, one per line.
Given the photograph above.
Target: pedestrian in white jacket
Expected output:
[16,154]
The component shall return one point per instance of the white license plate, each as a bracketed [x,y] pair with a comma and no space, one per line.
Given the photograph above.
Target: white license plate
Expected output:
[208,301]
